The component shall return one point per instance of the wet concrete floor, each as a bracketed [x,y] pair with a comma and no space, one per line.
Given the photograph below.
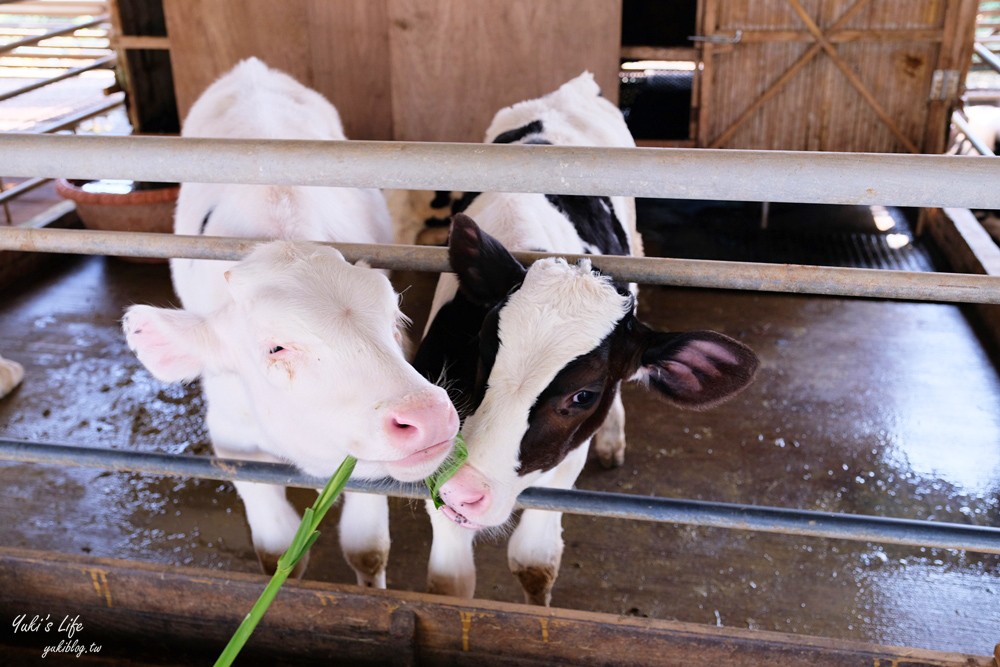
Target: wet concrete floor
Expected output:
[861,406]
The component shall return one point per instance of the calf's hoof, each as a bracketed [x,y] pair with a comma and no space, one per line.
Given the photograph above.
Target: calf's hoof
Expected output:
[453,586]
[369,567]
[611,457]
[537,582]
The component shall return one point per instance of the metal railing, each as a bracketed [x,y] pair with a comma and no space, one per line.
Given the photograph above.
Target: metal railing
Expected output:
[732,175]
[753,175]
[591,503]
[751,276]
[98,61]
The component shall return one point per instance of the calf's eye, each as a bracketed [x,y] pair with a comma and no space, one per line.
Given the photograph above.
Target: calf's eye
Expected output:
[583,398]
[276,349]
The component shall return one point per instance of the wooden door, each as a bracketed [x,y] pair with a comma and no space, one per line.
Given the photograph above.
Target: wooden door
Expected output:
[832,75]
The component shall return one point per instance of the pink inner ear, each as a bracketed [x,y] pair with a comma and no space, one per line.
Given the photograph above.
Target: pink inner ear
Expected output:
[681,376]
[715,352]
[695,356]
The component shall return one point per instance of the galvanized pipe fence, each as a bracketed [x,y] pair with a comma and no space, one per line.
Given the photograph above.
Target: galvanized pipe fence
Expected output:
[835,178]
[591,503]
[791,278]
[681,173]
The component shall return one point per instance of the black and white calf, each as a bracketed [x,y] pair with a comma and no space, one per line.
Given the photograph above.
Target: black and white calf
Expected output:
[298,351]
[533,357]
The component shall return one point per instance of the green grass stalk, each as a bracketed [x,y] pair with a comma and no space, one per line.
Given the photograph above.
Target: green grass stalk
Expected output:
[305,537]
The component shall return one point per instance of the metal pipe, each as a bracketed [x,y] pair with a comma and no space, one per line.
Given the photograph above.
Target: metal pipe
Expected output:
[788,278]
[71,121]
[68,74]
[737,175]
[987,56]
[28,41]
[959,121]
[827,525]
[21,188]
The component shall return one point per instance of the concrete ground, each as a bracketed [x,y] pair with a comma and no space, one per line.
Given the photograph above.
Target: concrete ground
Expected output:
[861,406]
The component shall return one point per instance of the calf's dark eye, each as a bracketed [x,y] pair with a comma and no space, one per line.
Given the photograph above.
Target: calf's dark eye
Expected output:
[275,349]
[584,398]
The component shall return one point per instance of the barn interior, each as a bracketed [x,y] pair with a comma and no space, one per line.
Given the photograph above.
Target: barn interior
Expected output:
[861,406]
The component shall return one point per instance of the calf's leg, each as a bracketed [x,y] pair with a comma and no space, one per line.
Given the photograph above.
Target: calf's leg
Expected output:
[272,518]
[534,552]
[609,441]
[364,536]
[452,567]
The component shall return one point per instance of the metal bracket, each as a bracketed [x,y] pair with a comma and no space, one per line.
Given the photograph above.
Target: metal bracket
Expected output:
[718,39]
[945,84]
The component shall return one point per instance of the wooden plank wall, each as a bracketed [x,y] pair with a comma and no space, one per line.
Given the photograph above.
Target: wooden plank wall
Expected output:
[339,47]
[428,70]
[455,62]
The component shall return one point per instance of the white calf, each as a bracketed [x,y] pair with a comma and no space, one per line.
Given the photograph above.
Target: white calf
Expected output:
[534,357]
[298,350]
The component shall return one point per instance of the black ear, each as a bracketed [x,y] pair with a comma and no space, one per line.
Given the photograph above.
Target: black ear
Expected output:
[696,370]
[486,270]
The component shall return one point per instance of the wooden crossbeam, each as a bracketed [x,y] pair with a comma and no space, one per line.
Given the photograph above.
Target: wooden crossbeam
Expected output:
[853,78]
[779,83]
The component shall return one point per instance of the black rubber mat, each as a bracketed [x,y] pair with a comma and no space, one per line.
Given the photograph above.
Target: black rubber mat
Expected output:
[844,236]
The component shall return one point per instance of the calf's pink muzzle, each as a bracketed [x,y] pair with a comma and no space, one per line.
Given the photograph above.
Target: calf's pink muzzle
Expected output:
[421,426]
[467,498]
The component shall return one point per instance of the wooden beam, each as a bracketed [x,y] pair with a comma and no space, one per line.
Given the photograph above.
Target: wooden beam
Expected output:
[141,609]
[969,249]
[955,55]
[659,53]
[842,36]
[137,42]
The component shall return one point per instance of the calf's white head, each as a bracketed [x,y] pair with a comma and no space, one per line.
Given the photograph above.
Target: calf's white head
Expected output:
[550,347]
[315,343]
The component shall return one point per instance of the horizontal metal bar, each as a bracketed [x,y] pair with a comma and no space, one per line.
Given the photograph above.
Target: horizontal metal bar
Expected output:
[987,56]
[71,121]
[28,41]
[591,503]
[789,278]
[105,62]
[734,175]
[959,121]
[21,188]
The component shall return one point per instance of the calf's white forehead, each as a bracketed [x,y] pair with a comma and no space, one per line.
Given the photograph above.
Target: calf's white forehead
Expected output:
[561,312]
[312,286]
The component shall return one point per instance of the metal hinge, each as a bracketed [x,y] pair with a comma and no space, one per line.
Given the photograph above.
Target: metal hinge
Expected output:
[945,84]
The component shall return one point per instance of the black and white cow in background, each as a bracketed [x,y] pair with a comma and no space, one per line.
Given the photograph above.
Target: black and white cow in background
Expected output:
[534,357]
[298,351]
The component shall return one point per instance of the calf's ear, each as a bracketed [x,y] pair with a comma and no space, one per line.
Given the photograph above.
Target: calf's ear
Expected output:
[170,343]
[487,272]
[695,370]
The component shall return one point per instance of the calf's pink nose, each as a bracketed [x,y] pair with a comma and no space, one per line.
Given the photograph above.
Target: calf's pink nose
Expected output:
[467,493]
[421,421]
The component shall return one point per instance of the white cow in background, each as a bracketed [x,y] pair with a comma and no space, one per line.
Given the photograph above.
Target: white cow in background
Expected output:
[298,351]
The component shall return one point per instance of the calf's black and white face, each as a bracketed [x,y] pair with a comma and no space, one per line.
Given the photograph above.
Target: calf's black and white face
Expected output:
[533,359]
